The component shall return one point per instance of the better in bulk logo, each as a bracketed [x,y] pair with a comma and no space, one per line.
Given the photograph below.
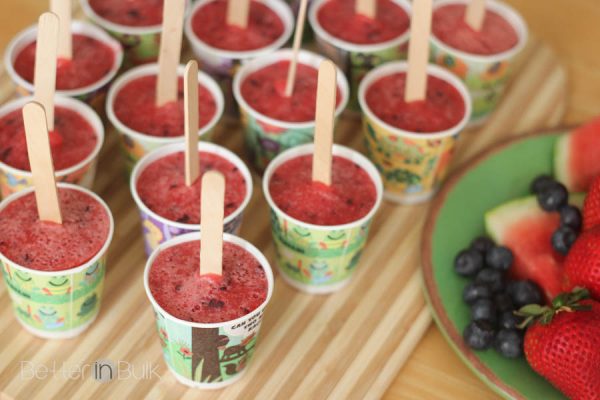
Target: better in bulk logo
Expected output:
[101,370]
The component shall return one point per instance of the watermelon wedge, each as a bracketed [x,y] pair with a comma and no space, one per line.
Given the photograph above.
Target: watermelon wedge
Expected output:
[576,157]
[527,230]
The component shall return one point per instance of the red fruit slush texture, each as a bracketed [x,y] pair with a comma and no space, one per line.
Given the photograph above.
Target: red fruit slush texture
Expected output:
[495,36]
[161,186]
[264,27]
[442,109]
[72,140]
[47,246]
[129,12]
[92,60]
[264,91]
[339,19]
[135,106]
[177,286]
[350,197]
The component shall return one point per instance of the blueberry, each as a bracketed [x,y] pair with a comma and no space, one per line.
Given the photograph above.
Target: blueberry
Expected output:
[553,197]
[503,302]
[571,216]
[479,335]
[484,310]
[541,183]
[475,291]
[508,320]
[468,262]
[494,278]
[563,238]
[499,257]
[482,244]
[523,293]
[509,343]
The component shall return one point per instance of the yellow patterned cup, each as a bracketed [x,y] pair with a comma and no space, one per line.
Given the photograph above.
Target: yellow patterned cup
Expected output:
[411,164]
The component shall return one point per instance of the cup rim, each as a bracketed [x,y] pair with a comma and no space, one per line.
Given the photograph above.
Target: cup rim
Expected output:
[78,106]
[506,12]
[152,69]
[119,28]
[355,47]
[340,151]
[29,35]
[212,148]
[229,238]
[282,10]
[304,56]
[433,70]
[70,271]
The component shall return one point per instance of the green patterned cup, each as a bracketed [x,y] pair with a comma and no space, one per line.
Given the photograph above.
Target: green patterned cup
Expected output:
[319,259]
[486,77]
[134,144]
[356,60]
[208,355]
[267,137]
[61,304]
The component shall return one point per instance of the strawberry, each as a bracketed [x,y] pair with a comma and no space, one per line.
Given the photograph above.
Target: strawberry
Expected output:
[582,265]
[563,343]
[591,206]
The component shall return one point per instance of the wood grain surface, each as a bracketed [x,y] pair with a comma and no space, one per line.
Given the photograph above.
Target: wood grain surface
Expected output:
[313,346]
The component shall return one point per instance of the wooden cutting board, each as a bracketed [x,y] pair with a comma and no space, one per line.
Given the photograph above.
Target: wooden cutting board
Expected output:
[347,345]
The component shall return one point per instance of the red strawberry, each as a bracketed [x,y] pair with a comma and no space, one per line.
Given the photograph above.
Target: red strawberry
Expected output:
[564,344]
[582,265]
[591,206]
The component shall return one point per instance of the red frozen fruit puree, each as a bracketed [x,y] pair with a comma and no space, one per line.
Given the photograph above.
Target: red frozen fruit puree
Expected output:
[338,17]
[92,60]
[495,36]
[135,106]
[264,27]
[47,246]
[350,196]
[443,107]
[177,286]
[72,140]
[161,186]
[264,91]
[129,12]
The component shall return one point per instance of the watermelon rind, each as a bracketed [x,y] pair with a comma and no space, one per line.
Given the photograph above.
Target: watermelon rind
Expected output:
[562,151]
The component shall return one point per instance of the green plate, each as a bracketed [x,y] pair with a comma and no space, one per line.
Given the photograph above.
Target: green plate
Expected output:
[500,174]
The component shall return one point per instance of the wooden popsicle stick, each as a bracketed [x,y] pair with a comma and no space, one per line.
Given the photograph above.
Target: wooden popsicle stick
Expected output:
[170,51]
[368,8]
[418,51]
[237,13]
[190,99]
[44,79]
[475,14]
[211,218]
[40,159]
[62,8]
[291,77]
[326,92]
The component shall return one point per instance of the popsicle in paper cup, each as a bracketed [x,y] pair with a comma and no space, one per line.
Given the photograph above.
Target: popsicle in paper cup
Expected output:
[412,163]
[485,75]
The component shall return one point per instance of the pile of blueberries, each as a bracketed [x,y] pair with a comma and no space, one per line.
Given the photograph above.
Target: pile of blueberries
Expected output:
[493,298]
[552,196]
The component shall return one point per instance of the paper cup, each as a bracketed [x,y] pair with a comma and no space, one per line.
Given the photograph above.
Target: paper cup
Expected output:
[136,144]
[157,229]
[94,94]
[60,304]
[230,344]
[221,64]
[13,180]
[319,259]
[357,59]
[411,164]
[486,77]
[267,137]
